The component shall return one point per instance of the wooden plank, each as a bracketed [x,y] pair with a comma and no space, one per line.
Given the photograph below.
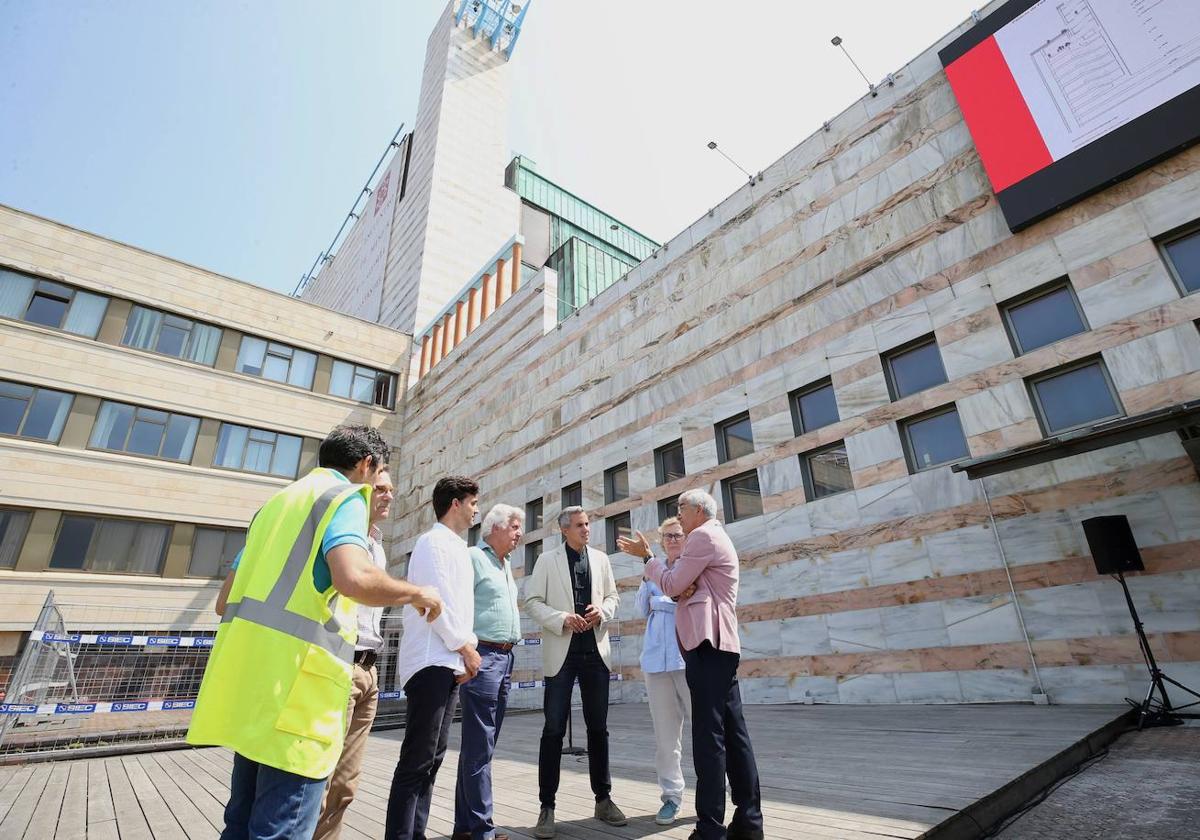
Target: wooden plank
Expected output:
[12,789]
[72,819]
[131,822]
[174,779]
[21,812]
[45,817]
[162,822]
[100,804]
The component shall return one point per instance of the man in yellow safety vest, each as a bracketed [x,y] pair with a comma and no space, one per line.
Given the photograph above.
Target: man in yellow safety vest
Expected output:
[277,684]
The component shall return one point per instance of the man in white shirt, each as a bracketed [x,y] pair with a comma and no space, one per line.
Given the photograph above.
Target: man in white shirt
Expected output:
[435,657]
[364,686]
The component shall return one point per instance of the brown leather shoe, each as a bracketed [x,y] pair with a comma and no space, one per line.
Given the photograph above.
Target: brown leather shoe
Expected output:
[466,835]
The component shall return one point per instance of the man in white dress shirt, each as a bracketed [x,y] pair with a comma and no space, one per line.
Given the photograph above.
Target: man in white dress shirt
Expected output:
[435,657]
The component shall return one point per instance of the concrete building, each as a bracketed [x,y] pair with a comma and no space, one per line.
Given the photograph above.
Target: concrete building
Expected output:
[147,409]
[818,351]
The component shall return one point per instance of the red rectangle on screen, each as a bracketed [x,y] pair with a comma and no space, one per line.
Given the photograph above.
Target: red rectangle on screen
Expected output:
[1000,123]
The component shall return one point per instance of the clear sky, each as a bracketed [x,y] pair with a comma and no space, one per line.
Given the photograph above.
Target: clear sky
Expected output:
[235,135]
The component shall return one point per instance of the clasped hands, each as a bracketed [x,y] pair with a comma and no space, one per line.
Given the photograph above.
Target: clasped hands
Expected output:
[591,618]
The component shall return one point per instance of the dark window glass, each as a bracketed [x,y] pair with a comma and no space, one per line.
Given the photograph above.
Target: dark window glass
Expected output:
[572,495]
[1183,254]
[47,309]
[35,413]
[13,525]
[742,496]
[14,400]
[915,368]
[734,438]
[668,462]
[668,507]
[533,515]
[74,537]
[618,526]
[147,434]
[935,439]
[814,407]
[144,431]
[213,551]
[533,551]
[1043,319]
[363,384]
[257,450]
[473,534]
[172,336]
[616,484]
[826,471]
[1075,397]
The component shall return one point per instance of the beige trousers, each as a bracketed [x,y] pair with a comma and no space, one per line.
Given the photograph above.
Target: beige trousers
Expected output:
[343,782]
[670,703]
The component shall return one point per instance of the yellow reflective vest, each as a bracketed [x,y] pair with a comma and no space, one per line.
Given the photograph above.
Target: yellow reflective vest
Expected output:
[277,682]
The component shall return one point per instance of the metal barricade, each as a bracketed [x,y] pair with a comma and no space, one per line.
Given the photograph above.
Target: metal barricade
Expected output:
[104,677]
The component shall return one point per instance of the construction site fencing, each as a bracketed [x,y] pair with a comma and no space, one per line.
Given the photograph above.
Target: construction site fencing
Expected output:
[105,678]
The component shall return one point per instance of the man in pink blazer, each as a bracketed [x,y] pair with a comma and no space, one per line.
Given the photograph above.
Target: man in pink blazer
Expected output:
[706,623]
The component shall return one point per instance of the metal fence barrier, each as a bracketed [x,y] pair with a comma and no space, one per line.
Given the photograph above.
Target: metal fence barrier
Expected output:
[121,678]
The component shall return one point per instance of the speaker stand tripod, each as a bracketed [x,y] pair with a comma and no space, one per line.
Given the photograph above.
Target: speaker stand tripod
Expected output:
[1155,711]
[570,748]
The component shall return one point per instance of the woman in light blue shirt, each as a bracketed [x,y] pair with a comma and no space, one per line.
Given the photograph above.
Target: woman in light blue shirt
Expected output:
[666,688]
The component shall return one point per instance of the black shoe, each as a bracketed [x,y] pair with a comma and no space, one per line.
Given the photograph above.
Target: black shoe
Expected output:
[745,834]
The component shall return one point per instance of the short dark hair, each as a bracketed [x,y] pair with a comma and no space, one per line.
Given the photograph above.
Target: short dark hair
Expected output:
[450,488]
[345,446]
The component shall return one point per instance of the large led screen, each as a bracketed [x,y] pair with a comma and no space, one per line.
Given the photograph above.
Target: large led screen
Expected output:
[1064,97]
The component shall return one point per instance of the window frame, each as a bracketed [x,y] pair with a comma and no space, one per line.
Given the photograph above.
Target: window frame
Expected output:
[612,525]
[535,505]
[192,553]
[217,448]
[610,490]
[1183,232]
[1039,410]
[889,356]
[380,376]
[164,315]
[727,496]
[810,488]
[473,534]
[530,558]
[794,404]
[665,507]
[29,406]
[660,470]
[1042,291]
[574,487]
[905,425]
[290,359]
[722,433]
[86,568]
[72,290]
[136,408]
[27,513]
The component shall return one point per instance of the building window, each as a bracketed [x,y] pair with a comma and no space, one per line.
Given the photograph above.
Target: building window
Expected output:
[473,534]
[171,335]
[933,439]
[813,407]
[144,431]
[213,551]
[826,471]
[734,438]
[619,525]
[742,496]
[1183,257]
[533,551]
[13,526]
[1075,396]
[572,495]
[1043,317]
[668,463]
[257,450]
[362,384]
[668,507]
[277,362]
[533,515]
[110,545]
[35,413]
[616,483]
[50,304]
[914,368]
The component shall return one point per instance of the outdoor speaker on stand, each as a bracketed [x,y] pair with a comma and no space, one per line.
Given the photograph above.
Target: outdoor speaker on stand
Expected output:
[1115,552]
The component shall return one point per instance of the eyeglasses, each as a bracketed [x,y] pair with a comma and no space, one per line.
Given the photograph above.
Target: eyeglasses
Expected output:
[672,537]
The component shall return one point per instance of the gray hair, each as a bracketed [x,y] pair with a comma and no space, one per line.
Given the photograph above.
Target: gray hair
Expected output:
[499,517]
[700,499]
[564,517]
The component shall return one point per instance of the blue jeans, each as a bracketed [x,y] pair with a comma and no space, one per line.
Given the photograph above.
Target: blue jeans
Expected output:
[270,804]
[587,666]
[482,700]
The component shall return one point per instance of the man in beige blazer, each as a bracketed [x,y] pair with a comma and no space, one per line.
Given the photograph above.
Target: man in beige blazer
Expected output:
[571,594]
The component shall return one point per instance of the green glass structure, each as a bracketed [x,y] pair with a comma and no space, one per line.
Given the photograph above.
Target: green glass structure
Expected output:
[588,249]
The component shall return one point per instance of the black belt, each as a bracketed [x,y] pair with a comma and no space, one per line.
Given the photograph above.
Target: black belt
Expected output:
[365,659]
[502,646]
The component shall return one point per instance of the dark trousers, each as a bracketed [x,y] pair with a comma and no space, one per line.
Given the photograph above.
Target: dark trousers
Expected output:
[483,699]
[270,804]
[721,745]
[430,696]
[589,669]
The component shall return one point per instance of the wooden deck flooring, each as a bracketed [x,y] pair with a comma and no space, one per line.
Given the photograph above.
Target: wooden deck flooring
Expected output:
[853,772]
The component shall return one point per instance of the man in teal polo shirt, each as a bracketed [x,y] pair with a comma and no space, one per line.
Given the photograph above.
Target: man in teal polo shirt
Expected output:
[484,698]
